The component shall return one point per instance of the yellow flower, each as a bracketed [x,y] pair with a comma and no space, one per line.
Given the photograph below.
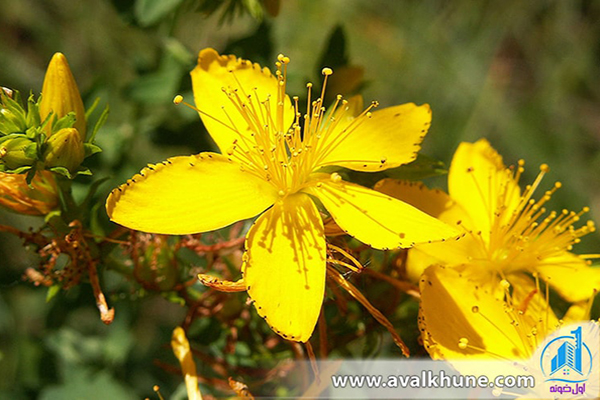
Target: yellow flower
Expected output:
[60,94]
[460,320]
[38,199]
[271,156]
[507,232]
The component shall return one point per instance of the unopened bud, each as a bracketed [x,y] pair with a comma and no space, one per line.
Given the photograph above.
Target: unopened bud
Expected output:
[155,261]
[14,153]
[60,94]
[64,149]
[39,198]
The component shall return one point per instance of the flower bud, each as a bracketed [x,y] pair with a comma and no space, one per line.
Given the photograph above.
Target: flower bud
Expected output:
[60,94]
[155,261]
[13,152]
[38,199]
[64,149]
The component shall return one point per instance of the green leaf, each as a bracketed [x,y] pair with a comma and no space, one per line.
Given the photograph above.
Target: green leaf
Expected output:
[52,291]
[149,12]
[92,191]
[335,54]
[160,86]
[423,167]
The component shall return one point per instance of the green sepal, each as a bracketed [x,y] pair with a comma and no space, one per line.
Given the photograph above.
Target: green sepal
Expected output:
[91,149]
[62,171]
[52,214]
[99,124]
[65,172]
[11,136]
[92,108]
[13,118]
[31,150]
[65,122]
[33,111]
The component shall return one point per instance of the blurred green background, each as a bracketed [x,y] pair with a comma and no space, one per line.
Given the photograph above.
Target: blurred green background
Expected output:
[524,74]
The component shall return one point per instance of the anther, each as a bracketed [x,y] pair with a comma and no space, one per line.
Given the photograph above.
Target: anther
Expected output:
[335,177]
[327,71]
[178,99]
[463,343]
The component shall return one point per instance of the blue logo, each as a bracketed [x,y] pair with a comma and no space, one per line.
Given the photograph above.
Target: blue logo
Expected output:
[566,362]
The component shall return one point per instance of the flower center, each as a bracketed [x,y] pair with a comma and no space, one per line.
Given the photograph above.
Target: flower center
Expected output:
[530,316]
[523,233]
[281,148]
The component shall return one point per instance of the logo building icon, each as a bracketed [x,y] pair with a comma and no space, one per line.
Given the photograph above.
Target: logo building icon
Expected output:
[568,355]
[569,361]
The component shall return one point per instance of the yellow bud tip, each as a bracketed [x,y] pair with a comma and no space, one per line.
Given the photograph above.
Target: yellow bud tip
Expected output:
[544,168]
[178,99]
[327,71]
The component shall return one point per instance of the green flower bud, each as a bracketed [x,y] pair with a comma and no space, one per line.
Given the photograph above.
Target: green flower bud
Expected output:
[14,154]
[64,149]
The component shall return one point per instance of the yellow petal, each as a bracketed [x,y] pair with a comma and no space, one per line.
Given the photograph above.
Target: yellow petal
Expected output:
[181,349]
[532,302]
[188,195]
[570,276]
[480,183]
[285,266]
[386,139]
[437,204]
[377,219]
[454,309]
[60,94]
[577,312]
[216,73]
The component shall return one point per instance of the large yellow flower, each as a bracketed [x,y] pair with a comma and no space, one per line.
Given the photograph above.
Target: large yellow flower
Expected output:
[508,233]
[460,320]
[270,158]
